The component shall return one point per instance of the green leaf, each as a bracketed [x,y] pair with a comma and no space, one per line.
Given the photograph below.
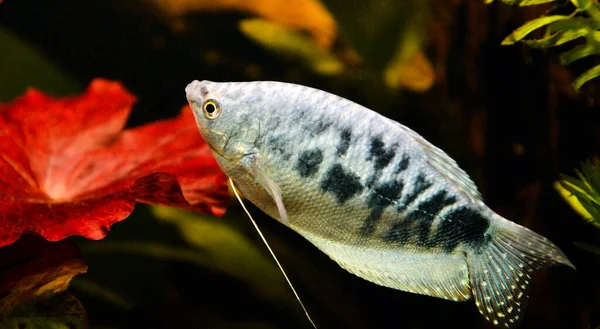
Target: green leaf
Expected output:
[23,66]
[149,249]
[593,38]
[557,39]
[522,3]
[588,247]
[228,250]
[531,26]
[102,292]
[573,24]
[590,175]
[582,4]
[572,199]
[575,185]
[583,193]
[577,53]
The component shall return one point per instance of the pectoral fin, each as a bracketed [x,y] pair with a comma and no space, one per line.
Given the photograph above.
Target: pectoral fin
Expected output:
[272,188]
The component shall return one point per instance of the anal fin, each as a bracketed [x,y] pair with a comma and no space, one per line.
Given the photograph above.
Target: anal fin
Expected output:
[439,275]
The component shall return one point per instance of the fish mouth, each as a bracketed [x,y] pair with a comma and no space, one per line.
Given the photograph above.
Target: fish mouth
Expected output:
[193,93]
[219,142]
[195,97]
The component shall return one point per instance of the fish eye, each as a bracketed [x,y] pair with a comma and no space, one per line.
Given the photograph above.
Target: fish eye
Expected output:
[211,109]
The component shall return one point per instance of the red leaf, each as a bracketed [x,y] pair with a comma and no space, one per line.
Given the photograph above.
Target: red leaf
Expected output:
[67,168]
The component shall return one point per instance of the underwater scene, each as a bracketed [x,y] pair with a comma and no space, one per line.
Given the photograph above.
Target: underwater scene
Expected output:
[297,164]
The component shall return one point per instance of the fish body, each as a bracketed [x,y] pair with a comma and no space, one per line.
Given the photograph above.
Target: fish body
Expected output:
[372,194]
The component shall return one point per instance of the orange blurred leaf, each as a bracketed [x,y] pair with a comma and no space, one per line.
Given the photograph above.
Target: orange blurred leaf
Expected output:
[291,44]
[415,73]
[309,16]
[410,68]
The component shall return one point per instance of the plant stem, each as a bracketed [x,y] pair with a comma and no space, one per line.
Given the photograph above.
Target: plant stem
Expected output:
[593,10]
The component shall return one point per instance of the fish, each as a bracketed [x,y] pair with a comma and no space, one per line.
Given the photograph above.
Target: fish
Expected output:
[372,194]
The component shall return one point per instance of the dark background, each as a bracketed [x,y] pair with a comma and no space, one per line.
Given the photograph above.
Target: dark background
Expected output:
[506,114]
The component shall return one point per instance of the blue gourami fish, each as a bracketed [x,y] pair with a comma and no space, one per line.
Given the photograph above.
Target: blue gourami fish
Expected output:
[375,196]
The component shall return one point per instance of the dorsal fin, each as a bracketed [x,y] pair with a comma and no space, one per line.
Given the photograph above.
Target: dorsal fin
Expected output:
[445,165]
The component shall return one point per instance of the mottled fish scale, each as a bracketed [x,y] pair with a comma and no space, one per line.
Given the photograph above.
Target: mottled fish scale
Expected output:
[374,195]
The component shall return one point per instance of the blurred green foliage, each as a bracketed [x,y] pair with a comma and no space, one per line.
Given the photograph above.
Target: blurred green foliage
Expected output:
[226,250]
[208,242]
[195,261]
[583,22]
[24,66]
[583,192]
[205,247]
[583,195]
[377,29]
[588,247]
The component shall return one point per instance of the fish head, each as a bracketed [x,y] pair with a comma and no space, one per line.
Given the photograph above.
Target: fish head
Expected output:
[224,117]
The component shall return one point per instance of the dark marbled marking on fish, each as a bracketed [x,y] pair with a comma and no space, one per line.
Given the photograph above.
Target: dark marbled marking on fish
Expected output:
[403,164]
[420,185]
[318,128]
[416,225]
[381,197]
[462,225]
[345,138]
[379,154]
[400,232]
[341,183]
[308,162]
[278,145]
[426,212]
[370,181]
[300,112]
[298,116]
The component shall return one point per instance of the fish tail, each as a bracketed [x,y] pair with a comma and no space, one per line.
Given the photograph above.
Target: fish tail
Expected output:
[500,271]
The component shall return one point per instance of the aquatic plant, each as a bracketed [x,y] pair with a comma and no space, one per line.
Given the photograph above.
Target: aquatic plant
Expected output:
[582,22]
[582,193]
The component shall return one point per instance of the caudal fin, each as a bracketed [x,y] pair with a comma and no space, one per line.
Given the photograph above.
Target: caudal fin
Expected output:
[501,272]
